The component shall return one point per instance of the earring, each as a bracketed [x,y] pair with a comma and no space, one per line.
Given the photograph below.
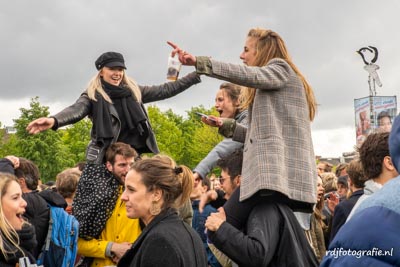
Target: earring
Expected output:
[154,208]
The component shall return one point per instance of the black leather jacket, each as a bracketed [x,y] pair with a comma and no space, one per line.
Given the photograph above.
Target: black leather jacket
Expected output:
[83,107]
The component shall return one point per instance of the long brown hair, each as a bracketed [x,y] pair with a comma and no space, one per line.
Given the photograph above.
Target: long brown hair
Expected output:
[270,45]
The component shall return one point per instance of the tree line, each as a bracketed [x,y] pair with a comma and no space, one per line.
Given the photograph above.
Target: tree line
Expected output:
[185,139]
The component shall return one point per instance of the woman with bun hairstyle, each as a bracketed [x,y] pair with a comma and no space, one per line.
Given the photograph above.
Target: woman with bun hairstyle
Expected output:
[153,191]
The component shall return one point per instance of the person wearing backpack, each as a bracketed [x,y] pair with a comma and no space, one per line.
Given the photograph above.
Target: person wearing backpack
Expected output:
[37,209]
[119,232]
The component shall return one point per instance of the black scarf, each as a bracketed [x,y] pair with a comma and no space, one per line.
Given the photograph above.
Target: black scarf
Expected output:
[27,240]
[134,125]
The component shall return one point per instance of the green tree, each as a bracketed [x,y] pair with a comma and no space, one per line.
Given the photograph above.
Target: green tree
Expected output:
[199,137]
[168,134]
[45,149]
[186,139]
[76,138]
[8,144]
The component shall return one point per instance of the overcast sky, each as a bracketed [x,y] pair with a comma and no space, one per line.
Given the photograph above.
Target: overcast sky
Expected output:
[48,49]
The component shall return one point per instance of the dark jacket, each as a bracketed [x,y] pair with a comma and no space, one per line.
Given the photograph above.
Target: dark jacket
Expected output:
[167,241]
[198,224]
[342,211]
[27,241]
[6,166]
[83,107]
[272,237]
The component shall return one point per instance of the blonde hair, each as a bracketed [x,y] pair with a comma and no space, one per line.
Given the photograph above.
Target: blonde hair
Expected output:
[67,182]
[96,86]
[8,233]
[270,45]
[329,181]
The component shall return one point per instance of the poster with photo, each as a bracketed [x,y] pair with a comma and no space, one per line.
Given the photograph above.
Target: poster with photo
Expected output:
[373,114]
[384,111]
[362,119]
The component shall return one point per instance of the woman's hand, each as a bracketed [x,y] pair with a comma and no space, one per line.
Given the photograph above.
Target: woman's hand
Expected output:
[40,125]
[212,121]
[119,249]
[333,201]
[207,197]
[215,220]
[14,160]
[184,57]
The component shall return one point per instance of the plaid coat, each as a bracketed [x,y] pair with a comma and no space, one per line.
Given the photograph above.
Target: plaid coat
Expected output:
[278,149]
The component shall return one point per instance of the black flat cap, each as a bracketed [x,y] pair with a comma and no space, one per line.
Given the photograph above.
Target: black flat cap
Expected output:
[110,59]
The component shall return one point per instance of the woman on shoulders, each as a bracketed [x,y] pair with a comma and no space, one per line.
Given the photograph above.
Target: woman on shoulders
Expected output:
[114,103]
[278,160]
[278,172]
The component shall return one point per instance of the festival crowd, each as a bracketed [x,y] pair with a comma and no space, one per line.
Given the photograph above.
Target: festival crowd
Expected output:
[273,204]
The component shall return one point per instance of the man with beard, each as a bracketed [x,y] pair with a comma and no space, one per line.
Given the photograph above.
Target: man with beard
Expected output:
[120,231]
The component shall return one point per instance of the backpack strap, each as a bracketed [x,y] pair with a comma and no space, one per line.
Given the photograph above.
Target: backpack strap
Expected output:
[49,232]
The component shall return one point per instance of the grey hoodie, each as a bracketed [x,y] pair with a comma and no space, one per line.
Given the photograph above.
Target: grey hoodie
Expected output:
[370,187]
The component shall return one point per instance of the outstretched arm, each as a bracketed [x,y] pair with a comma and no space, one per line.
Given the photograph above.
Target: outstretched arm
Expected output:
[168,89]
[69,115]
[184,57]
[40,125]
[222,149]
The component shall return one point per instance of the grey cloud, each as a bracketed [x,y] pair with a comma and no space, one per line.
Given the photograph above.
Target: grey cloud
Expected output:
[49,47]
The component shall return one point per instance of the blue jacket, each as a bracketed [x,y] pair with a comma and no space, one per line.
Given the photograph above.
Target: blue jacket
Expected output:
[373,230]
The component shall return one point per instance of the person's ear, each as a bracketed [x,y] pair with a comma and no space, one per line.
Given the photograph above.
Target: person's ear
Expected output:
[109,166]
[157,194]
[237,180]
[22,182]
[387,162]
[204,188]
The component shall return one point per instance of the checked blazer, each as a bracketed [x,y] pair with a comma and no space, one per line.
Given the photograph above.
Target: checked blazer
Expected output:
[278,149]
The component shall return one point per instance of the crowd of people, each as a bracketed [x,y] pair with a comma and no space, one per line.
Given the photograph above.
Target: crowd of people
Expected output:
[272,205]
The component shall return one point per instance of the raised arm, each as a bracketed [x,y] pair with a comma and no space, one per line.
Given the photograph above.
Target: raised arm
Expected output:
[168,89]
[222,149]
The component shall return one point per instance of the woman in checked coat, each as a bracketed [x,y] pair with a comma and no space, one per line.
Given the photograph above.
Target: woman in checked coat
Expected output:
[279,163]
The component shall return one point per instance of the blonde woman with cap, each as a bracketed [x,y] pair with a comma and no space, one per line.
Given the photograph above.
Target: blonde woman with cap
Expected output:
[114,103]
